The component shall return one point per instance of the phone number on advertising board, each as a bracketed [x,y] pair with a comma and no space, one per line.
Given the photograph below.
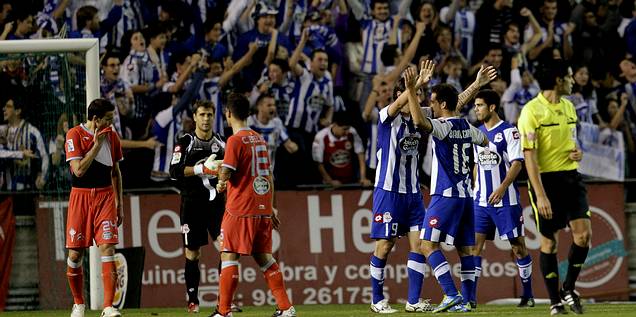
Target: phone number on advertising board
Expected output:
[323,295]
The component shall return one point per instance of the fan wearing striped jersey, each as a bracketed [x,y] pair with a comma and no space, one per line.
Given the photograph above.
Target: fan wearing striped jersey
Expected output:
[398,208]
[496,202]
[449,218]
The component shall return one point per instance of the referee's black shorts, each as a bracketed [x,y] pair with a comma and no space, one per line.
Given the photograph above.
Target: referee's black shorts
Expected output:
[201,217]
[568,198]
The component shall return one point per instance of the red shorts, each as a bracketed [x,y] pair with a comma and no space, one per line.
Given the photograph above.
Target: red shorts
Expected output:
[91,215]
[246,235]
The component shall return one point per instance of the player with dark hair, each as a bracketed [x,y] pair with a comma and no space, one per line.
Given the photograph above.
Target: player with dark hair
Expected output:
[194,165]
[95,206]
[449,217]
[249,214]
[496,201]
[557,193]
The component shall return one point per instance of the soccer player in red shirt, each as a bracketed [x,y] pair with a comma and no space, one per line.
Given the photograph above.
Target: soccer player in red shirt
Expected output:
[249,217]
[95,207]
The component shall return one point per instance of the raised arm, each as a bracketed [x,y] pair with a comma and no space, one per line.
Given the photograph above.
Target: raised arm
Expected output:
[536,31]
[408,55]
[618,117]
[357,8]
[178,85]
[450,14]
[238,66]
[271,48]
[484,76]
[410,77]
[293,61]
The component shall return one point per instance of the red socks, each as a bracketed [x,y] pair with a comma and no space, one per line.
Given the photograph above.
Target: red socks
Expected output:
[274,279]
[75,280]
[109,278]
[228,285]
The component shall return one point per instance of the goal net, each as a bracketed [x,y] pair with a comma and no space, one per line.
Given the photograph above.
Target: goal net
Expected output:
[52,82]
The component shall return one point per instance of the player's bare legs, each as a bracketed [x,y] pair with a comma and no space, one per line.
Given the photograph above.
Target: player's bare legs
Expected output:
[441,270]
[192,277]
[383,247]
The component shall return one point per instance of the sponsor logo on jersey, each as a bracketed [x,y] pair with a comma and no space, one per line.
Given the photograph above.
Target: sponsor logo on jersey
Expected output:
[340,158]
[261,185]
[70,147]
[433,222]
[377,217]
[515,135]
[488,159]
[409,144]
[387,217]
[185,229]
[176,157]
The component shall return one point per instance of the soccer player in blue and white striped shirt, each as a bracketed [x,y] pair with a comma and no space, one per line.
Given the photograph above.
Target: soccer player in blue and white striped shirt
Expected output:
[449,218]
[398,208]
[313,90]
[496,195]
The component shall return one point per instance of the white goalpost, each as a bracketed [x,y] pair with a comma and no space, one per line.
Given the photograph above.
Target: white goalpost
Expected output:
[90,49]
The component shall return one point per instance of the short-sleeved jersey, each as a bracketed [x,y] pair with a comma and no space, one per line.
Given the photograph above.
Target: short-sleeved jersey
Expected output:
[398,144]
[452,148]
[190,151]
[79,140]
[550,129]
[493,163]
[337,154]
[311,97]
[273,132]
[250,188]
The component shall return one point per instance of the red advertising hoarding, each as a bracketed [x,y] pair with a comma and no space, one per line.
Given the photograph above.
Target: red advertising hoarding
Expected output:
[324,248]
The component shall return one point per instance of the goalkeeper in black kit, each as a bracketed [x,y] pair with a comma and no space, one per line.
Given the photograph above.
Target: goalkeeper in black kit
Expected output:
[194,165]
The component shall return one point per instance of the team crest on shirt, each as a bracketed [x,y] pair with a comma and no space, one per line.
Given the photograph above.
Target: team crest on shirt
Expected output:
[176,157]
[498,137]
[261,185]
[433,222]
[386,218]
[348,145]
[214,147]
[340,158]
[409,144]
[488,159]
[185,229]
[377,217]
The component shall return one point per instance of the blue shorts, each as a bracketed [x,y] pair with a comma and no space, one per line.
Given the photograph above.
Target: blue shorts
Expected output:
[395,214]
[449,220]
[508,220]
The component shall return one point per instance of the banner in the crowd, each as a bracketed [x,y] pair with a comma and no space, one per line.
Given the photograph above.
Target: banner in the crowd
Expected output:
[603,152]
[323,249]
[7,242]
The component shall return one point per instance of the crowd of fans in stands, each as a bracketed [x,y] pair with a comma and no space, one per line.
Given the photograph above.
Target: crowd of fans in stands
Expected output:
[316,71]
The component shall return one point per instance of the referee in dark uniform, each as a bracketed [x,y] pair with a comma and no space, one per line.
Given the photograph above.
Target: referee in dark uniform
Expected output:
[548,136]
[201,206]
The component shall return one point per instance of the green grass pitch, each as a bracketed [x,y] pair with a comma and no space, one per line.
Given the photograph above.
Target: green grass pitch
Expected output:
[591,310]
